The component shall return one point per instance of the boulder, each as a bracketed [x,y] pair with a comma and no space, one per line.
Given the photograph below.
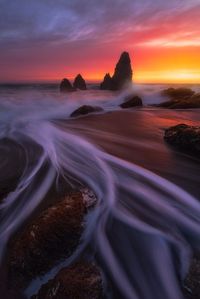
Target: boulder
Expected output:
[85,109]
[65,86]
[79,83]
[184,137]
[53,235]
[123,72]
[131,101]
[79,281]
[107,82]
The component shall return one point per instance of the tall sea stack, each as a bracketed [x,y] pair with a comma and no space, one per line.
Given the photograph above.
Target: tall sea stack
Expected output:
[122,75]
[123,72]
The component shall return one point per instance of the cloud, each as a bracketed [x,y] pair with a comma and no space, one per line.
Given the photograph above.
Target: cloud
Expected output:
[66,21]
[47,36]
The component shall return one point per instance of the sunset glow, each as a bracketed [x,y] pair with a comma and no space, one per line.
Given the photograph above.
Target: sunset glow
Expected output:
[37,42]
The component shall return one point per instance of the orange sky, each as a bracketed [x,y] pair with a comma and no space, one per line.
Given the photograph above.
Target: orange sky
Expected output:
[39,42]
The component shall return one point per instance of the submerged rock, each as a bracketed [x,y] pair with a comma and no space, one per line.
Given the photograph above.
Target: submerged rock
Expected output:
[184,137]
[79,83]
[85,109]
[122,74]
[65,86]
[131,101]
[49,238]
[107,82]
[79,281]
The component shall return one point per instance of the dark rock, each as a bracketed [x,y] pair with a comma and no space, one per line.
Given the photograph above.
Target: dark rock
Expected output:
[181,98]
[79,281]
[122,75]
[49,238]
[132,101]
[65,86]
[185,103]
[184,137]
[192,282]
[79,82]
[123,72]
[85,109]
[107,82]
[178,92]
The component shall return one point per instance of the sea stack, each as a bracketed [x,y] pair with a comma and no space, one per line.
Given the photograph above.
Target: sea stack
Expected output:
[123,72]
[66,86]
[79,82]
[107,82]
[122,75]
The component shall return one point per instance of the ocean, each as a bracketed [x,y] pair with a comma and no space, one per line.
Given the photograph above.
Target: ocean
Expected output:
[146,222]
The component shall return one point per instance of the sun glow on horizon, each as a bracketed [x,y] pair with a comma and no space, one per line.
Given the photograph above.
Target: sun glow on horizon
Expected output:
[174,76]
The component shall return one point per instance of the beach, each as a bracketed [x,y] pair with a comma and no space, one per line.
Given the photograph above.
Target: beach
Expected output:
[143,187]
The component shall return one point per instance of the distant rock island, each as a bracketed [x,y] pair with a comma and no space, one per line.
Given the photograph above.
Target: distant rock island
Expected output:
[66,86]
[122,75]
[121,78]
[79,83]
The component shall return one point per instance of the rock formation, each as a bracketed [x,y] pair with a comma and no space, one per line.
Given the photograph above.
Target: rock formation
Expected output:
[65,86]
[122,75]
[176,93]
[131,101]
[54,234]
[79,83]
[180,98]
[107,82]
[123,72]
[187,102]
[85,109]
[184,137]
[191,283]
[82,280]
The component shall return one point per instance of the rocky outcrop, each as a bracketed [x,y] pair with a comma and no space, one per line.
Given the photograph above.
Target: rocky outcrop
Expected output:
[65,86]
[122,74]
[176,93]
[107,82]
[49,238]
[131,101]
[79,83]
[184,137]
[180,98]
[86,109]
[79,281]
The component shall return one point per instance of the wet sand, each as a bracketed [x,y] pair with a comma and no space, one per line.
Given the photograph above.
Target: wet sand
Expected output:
[133,135]
[137,136]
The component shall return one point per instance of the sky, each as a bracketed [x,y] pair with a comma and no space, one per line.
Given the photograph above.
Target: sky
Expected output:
[51,39]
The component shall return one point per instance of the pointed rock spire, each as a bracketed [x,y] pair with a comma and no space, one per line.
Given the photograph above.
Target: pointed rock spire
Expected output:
[107,82]
[123,72]
[79,82]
